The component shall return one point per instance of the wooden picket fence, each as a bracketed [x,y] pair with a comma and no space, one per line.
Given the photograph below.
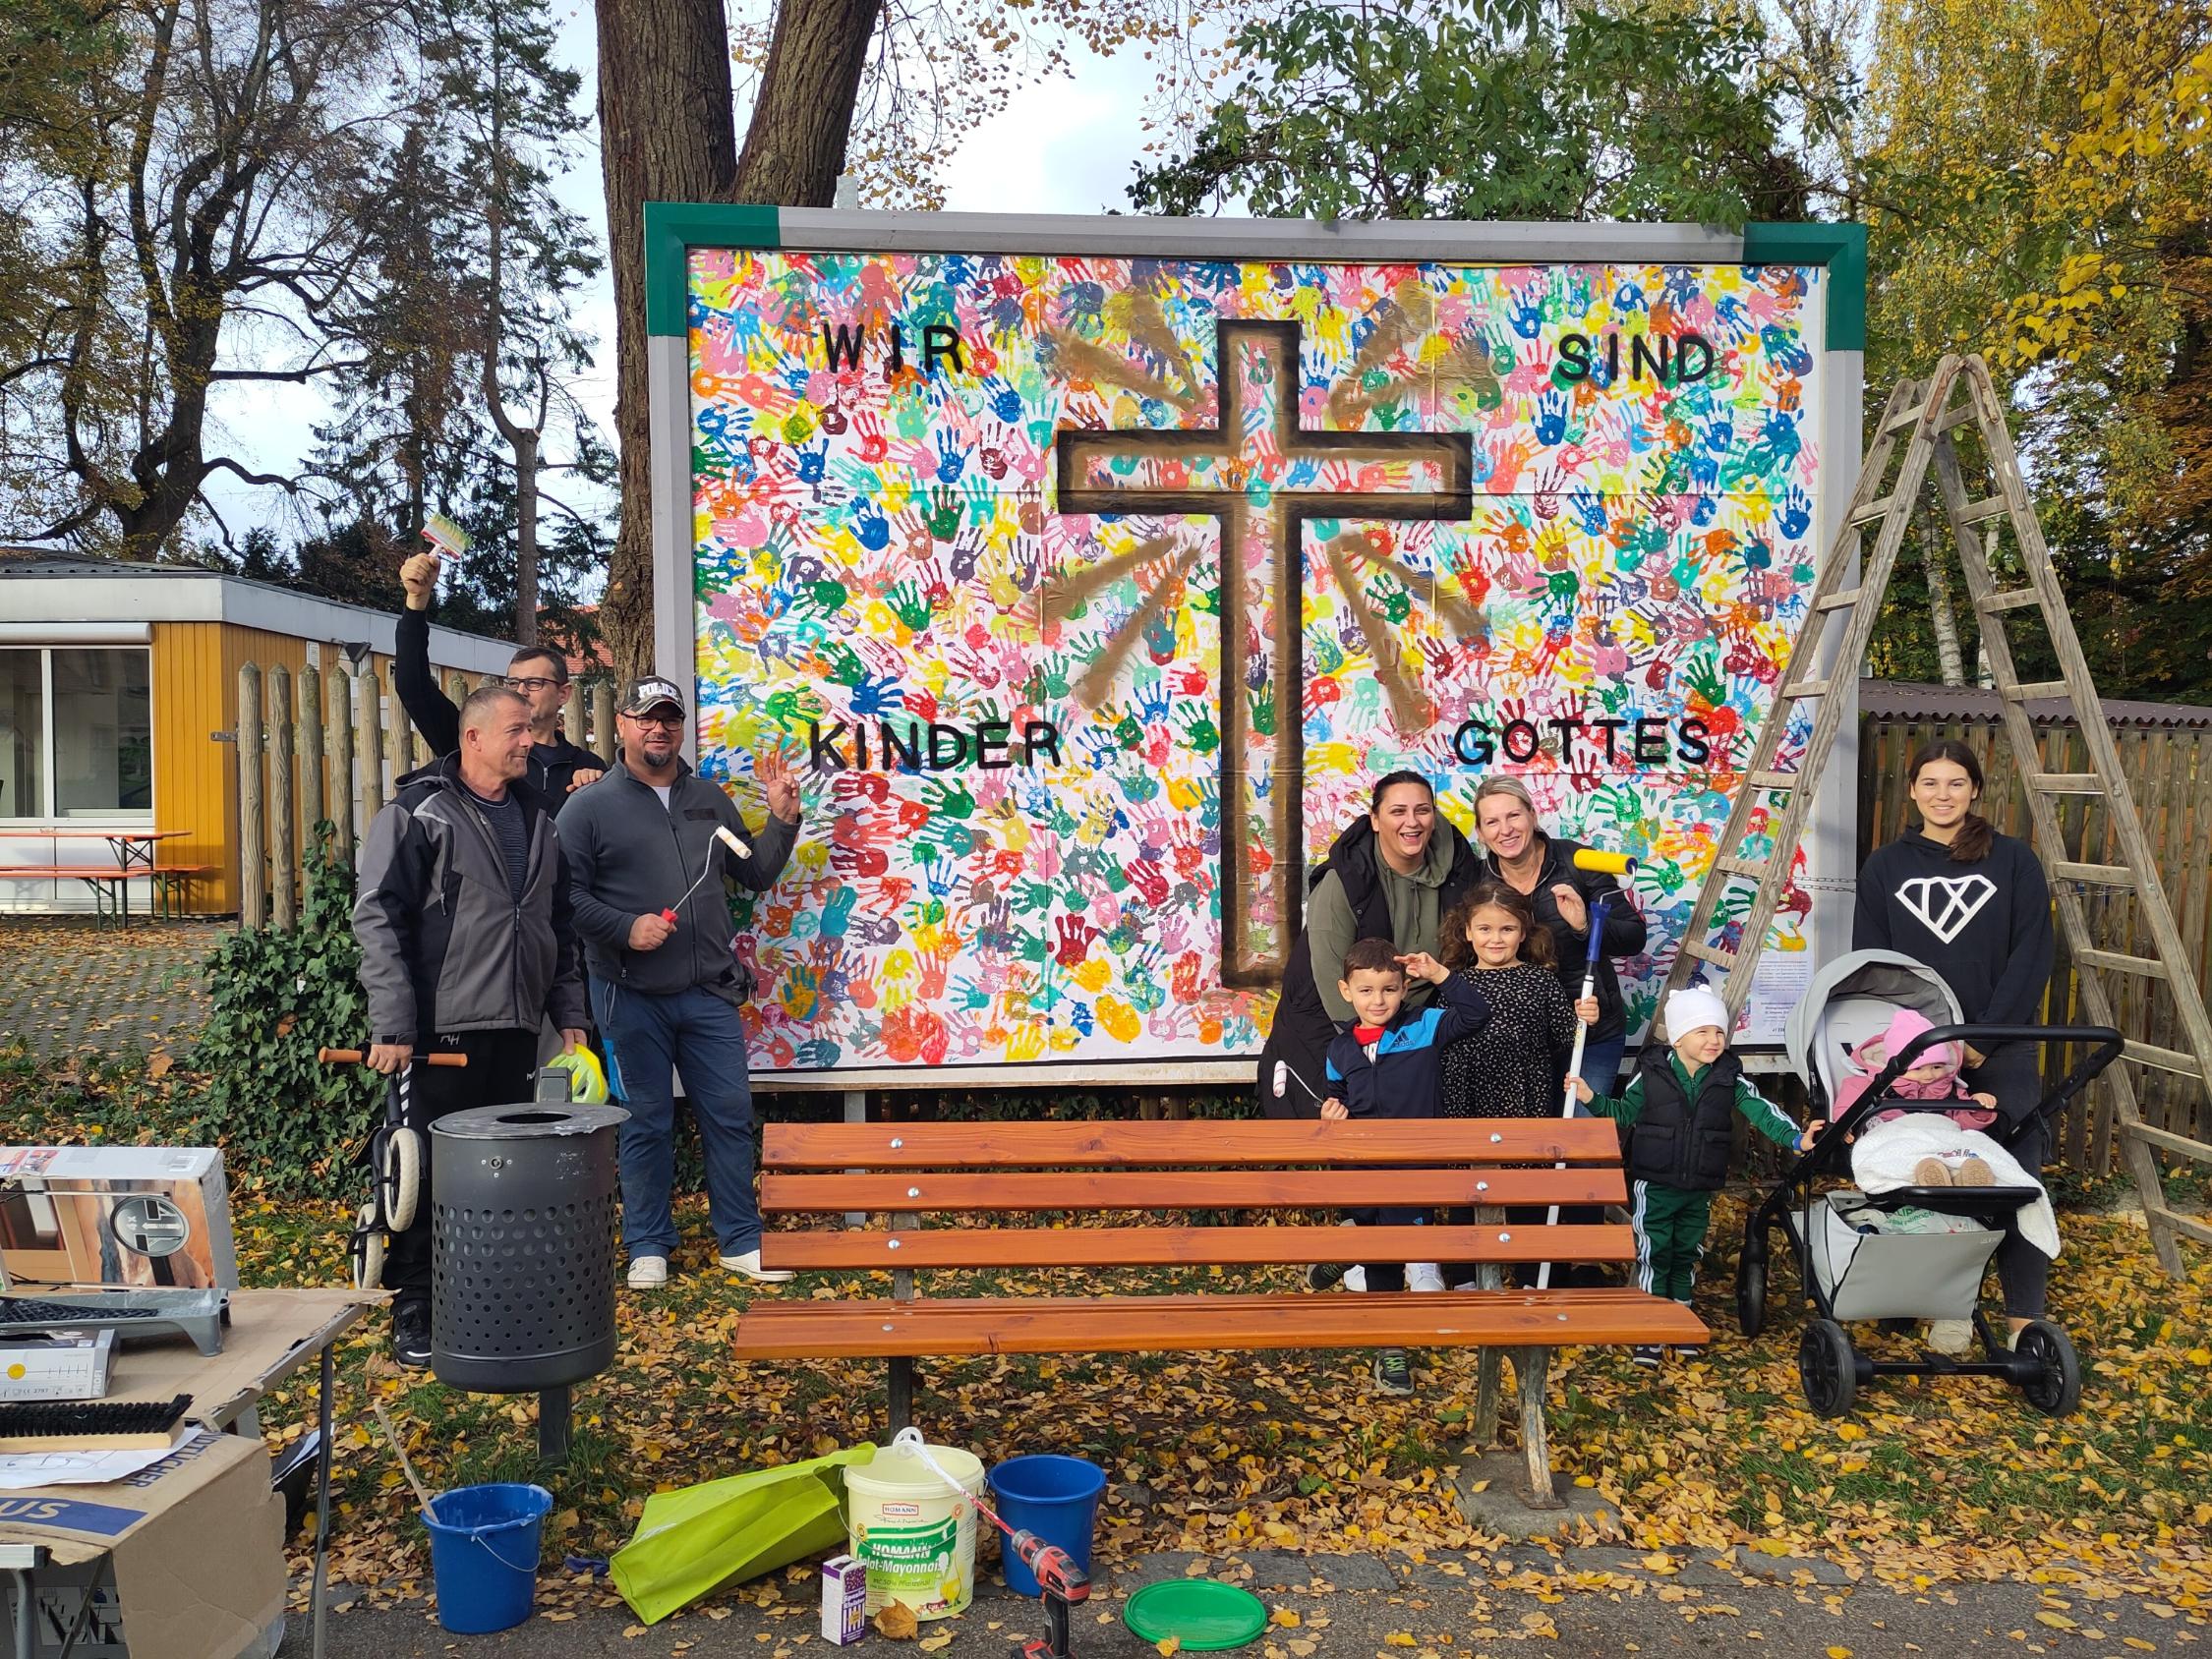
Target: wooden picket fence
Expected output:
[2169,771]
[328,746]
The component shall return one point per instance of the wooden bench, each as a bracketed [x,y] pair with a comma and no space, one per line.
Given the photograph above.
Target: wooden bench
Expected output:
[172,885]
[1182,1168]
[105,880]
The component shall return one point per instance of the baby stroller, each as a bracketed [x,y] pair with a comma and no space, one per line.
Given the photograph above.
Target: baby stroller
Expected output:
[1866,1267]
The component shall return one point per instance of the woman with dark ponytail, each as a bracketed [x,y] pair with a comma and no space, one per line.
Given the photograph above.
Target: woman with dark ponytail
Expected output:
[1973,906]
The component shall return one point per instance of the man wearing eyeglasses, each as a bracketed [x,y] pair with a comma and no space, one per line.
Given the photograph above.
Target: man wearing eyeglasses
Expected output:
[645,874]
[558,767]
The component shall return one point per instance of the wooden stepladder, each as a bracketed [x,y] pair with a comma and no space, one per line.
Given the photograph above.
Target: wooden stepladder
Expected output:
[1982,496]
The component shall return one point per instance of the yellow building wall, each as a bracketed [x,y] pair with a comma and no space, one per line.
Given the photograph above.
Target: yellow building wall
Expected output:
[195,675]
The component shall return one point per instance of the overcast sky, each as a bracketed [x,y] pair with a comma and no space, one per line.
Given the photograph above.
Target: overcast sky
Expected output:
[1061,146]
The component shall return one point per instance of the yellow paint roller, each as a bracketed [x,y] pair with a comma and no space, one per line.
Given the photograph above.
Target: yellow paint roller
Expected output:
[1604,863]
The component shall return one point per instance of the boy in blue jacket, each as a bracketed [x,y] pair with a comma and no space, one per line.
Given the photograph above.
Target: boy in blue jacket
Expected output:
[1389,1063]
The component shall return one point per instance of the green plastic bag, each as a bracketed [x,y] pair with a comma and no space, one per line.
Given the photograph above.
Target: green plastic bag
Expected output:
[692,1542]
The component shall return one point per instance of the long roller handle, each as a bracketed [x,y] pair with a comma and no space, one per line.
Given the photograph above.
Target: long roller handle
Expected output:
[357,1057]
[1598,909]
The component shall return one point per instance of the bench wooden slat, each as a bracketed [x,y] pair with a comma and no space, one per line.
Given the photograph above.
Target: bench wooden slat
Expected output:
[1095,1145]
[1185,1189]
[1171,1246]
[1202,1323]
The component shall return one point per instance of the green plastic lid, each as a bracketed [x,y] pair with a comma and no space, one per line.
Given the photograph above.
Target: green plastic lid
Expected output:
[1199,1614]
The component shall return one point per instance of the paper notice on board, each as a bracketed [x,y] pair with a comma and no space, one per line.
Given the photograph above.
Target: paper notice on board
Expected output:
[1777,984]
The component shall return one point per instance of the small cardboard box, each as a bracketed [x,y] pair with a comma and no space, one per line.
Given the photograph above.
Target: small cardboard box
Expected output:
[69,1368]
[844,1600]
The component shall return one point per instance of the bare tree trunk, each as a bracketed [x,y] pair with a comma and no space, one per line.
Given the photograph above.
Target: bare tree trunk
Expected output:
[525,441]
[1950,660]
[667,134]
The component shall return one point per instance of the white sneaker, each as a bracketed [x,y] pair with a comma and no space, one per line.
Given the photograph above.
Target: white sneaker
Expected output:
[1950,1335]
[648,1272]
[1423,1276]
[1356,1277]
[748,1264]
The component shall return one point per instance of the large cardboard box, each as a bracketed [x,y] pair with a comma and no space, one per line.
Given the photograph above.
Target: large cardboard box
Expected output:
[197,1544]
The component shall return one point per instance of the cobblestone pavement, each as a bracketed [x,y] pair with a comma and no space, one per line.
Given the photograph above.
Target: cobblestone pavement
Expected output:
[69,984]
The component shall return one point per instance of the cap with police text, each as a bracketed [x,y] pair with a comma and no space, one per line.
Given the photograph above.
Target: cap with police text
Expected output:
[645,695]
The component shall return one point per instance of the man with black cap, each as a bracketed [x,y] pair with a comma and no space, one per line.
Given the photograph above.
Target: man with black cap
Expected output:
[648,849]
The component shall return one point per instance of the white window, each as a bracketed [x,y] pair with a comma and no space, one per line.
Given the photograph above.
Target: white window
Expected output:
[76,732]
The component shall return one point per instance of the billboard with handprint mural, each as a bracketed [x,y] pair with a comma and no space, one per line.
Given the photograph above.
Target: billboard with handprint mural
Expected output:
[1095,589]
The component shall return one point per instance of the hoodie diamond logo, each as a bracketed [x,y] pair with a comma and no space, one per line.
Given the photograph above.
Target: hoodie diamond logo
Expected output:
[1946,904]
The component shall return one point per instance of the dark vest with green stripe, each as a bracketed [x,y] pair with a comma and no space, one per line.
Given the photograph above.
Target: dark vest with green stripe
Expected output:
[1677,1142]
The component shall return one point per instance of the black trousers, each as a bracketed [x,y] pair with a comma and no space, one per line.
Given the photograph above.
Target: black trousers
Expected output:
[2013,1073]
[498,1074]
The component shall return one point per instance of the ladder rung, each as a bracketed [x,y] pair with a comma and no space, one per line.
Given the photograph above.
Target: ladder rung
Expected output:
[1976,511]
[1872,510]
[1774,781]
[1807,688]
[2012,598]
[1906,420]
[1848,598]
[1717,956]
[2190,1226]
[2165,1060]
[2067,782]
[2169,1141]
[2027,691]
[2120,962]
[2102,875]
[1755,868]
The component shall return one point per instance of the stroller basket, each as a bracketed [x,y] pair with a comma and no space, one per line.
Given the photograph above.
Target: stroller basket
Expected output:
[1879,1274]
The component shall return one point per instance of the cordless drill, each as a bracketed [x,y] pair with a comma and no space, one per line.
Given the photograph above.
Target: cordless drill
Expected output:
[1059,1581]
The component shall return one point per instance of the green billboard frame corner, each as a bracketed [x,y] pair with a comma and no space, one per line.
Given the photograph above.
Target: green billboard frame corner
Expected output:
[674,228]
[1842,248]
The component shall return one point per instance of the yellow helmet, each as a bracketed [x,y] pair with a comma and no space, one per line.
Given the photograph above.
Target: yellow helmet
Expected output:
[587,1080]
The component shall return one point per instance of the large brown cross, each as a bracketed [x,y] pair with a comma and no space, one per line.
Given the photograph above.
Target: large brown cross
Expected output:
[1241,472]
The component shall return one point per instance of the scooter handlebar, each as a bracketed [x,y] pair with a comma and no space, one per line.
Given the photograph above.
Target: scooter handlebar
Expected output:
[359,1056]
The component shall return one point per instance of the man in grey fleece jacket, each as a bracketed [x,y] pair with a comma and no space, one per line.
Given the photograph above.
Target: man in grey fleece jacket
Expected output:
[466,948]
[646,876]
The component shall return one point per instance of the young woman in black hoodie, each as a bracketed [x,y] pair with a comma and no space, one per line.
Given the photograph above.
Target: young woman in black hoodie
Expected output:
[1973,906]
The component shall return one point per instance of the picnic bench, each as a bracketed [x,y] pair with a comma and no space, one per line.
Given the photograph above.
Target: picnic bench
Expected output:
[900,1172]
[135,854]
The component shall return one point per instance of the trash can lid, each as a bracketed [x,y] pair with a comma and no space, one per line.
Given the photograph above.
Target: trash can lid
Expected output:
[528,1121]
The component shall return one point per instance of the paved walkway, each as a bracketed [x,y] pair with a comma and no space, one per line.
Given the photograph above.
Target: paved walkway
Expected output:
[68,985]
[1582,1602]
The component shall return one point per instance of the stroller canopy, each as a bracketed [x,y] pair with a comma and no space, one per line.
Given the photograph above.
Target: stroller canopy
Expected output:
[1853,999]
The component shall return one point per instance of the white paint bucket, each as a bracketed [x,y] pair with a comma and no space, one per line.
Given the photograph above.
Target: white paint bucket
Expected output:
[912,1532]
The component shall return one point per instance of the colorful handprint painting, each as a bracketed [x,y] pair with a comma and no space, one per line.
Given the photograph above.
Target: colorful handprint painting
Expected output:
[1094,592]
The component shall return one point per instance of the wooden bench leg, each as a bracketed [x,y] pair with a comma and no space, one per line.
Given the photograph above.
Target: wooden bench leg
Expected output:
[1486,1367]
[901,1392]
[1529,1365]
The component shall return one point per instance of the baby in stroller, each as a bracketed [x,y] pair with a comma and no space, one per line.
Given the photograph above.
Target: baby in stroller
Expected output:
[1930,1197]
[1932,1083]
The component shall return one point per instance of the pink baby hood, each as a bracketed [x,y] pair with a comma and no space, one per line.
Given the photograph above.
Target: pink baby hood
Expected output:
[1874,1054]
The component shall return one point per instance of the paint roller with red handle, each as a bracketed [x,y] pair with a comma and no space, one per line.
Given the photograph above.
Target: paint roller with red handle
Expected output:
[729,838]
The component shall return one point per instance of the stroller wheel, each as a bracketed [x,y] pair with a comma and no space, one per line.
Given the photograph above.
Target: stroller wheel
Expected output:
[399,1175]
[1826,1368]
[2053,1385]
[1751,1295]
[366,1249]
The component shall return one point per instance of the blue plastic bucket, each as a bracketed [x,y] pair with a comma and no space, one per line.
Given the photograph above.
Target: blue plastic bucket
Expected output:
[1054,1497]
[484,1554]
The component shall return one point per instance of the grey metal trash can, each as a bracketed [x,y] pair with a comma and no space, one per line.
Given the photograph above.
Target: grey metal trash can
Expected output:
[523,1246]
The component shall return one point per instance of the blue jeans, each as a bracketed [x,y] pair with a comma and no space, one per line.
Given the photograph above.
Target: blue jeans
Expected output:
[1601,1063]
[700,1034]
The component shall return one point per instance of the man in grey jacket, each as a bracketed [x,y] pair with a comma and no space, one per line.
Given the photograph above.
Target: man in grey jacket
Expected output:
[466,948]
[647,868]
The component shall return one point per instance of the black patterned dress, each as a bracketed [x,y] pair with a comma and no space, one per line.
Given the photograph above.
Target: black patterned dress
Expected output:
[1513,1065]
